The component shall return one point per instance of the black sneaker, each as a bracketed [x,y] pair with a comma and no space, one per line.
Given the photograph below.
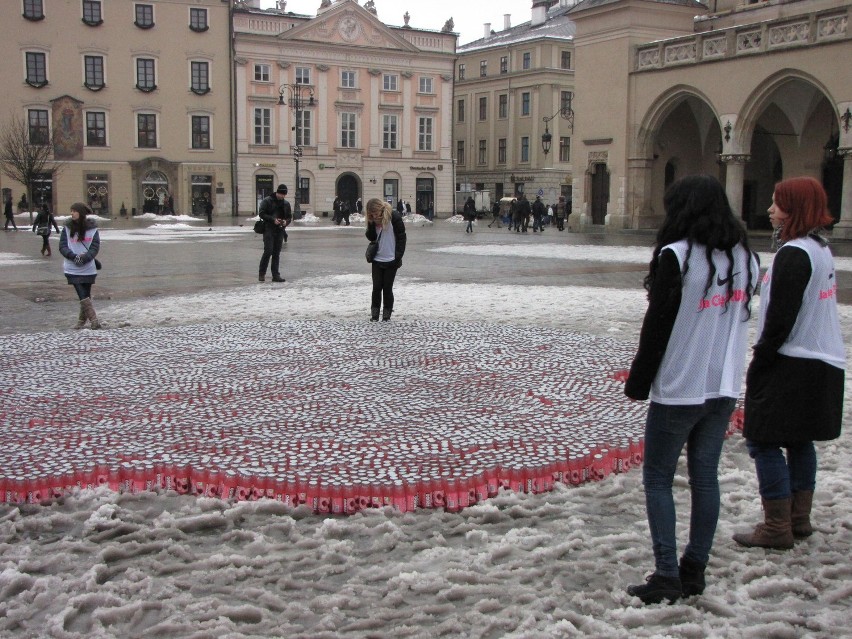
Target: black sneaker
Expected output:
[261,278]
[278,279]
[656,589]
[692,580]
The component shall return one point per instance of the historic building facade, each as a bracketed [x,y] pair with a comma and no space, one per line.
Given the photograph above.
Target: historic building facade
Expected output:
[364,107]
[134,96]
[750,92]
[514,88]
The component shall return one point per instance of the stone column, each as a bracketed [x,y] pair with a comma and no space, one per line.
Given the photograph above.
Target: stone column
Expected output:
[734,181]
[639,206]
[843,229]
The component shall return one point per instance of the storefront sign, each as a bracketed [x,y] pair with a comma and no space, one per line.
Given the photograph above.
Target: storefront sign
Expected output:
[521,178]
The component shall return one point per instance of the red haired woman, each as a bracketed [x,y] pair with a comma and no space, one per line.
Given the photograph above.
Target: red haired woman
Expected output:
[794,385]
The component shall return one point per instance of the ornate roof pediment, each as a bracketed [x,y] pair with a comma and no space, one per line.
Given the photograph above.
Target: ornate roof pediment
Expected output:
[348,24]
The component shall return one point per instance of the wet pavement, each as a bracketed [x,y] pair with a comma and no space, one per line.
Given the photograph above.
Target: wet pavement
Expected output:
[144,263]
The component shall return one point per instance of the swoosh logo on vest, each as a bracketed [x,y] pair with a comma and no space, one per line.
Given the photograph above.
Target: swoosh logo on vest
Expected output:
[723,282]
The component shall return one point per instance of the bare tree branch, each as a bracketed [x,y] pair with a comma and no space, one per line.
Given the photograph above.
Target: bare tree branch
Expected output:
[21,158]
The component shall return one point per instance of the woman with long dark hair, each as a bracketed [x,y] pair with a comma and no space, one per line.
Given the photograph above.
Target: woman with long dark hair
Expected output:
[690,363]
[79,243]
[795,382]
[385,226]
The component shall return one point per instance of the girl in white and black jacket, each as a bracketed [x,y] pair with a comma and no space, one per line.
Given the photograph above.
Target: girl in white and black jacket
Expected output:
[385,226]
[79,243]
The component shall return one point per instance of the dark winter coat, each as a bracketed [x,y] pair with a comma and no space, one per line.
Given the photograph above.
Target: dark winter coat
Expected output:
[7,209]
[790,399]
[538,208]
[399,235]
[271,209]
[45,219]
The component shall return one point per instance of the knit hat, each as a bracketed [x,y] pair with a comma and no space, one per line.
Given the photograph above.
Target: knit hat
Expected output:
[282,188]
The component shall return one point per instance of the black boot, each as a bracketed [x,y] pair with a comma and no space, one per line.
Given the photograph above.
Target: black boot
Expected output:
[656,589]
[386,313]
[691,577]
[374,313]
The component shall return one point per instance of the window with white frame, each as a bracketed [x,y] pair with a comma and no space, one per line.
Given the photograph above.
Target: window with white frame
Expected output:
[483,152]
[303,128]
[261,73]
[262,125]
[145,74]
[96,133]
[144,14]
[390,131]
[525,103]
[94,72]
[199,77]
[198,19]
[200,131]
[146,130]
[461,71]
[501,151]
[426,84]
[525,149]
[39,127]
[347,130]
[33,9]
[303,75]
[390,82]
[347,79]
[92,14]
[424,134]
[36,68]
[504,64]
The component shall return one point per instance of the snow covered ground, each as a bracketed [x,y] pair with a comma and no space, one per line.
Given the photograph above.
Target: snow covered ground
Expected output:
[99,564]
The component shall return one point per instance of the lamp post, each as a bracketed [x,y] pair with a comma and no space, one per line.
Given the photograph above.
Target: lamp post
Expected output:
[298,97]
[567,113]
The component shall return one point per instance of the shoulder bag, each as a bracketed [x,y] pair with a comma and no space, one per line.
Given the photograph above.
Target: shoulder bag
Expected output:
[372,249]
[259,226]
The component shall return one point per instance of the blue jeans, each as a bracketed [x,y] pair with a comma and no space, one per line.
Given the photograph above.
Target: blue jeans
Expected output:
[778,478]
[702,428]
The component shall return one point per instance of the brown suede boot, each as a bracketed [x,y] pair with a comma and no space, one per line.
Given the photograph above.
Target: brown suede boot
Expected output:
[800,517]
[90,313]
[775,532]
[81,318]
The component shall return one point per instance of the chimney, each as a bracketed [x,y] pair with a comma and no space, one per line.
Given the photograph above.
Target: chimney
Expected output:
[539,12]
[507,20]
[487,29]
[253,4]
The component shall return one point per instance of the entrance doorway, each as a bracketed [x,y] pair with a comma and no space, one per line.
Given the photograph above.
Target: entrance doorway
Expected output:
[600,193]
[263,188]
[97,193]
[391,191]
[426,197]
[155,192]
[202,192]
[348,189]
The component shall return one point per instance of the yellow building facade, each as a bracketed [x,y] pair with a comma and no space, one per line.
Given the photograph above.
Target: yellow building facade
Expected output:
[134,96]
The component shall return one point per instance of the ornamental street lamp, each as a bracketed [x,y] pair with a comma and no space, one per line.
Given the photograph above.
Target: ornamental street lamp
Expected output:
[299,96]
[547,138]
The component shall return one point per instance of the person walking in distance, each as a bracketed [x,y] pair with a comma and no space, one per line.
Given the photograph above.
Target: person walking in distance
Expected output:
[795,382]
[385,226]
[43,221]
[335,207]
[208,210]
[561,207]
[276,214]
[690,362]
[345,211]
[79,244]
[7,211]
[495,214]
[469,214]
[537,213]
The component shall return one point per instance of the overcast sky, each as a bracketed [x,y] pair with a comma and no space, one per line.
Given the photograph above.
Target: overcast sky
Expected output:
[468,16]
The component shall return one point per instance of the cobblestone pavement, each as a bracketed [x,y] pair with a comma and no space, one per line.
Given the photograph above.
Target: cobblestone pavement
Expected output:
[35,297]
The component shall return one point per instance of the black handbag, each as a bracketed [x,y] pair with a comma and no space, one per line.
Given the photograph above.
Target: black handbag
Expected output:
[259,226]
[372,249]
[98,264]
[44,231]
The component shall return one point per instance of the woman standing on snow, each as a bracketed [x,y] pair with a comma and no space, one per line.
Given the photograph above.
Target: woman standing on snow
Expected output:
[385,226]
[794,386]
[690,362]
[79,243]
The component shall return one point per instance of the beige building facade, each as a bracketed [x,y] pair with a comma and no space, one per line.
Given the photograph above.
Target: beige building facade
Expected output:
[514,87]
[751,93]
[363,105]
[134,96]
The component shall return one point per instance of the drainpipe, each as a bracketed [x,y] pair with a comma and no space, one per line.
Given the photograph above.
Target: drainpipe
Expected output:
[232,124]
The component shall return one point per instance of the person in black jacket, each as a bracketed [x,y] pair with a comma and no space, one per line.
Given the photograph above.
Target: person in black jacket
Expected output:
[385,226]
[469,214]
[795,382]
[44,220]
[7,211]
[538,212]
[276,214]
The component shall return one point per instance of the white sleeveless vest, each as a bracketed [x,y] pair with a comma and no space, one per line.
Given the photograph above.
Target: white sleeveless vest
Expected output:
[816,333]
[705,356]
